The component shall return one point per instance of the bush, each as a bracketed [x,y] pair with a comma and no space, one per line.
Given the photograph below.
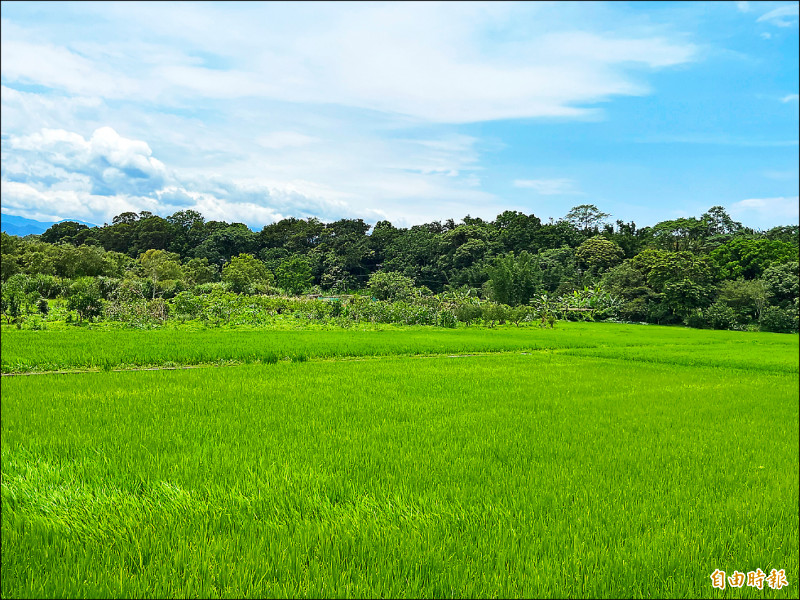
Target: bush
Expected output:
[389,285]
[84,298]
[187,306]
[696,320]
[158,309]
[107,286]
[47,286]
[720,316]
[467,313]
[446,319]
[779,320]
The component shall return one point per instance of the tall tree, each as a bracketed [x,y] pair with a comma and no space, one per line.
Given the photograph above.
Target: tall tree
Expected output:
[586,216]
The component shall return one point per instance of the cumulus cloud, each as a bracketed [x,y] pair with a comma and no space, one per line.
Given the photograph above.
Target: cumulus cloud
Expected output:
[54,173]
[548,187]
[113,163]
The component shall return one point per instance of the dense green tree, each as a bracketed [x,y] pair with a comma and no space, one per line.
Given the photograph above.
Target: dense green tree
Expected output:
[599,254]
[245,271]
[553,236]
[63,231]
[160,265]
[662,267]
[198,271]
[390,285]
[517,231]
[680,234]
[749,257]
[294,275]
[585,216]
[514,279]
[85,299]
[747,298]
[226,242]
[559,270]
[782,284]
[292,235]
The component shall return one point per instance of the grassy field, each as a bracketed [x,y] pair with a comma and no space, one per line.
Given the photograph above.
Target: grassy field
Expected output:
[36,351]
[605,460]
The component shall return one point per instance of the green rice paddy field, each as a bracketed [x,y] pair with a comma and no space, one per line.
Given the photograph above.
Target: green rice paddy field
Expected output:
[593,460]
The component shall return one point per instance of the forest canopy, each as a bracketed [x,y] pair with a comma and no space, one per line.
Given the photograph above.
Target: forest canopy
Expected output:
[706,271]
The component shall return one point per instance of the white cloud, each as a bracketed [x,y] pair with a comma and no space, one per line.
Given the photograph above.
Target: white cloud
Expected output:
[548,187]
[783,16]
[743,6]
[790,98]
[58,67]
[285,139]
[417,59]
[55,205]
[767,210]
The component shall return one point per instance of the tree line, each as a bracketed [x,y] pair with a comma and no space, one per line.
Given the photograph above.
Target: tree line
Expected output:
[707,271]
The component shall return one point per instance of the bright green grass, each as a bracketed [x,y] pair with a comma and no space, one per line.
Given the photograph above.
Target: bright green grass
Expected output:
[534,475]
[24,351]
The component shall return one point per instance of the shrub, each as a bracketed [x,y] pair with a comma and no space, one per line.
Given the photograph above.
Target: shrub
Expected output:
[696,320]
[467,313]
[84,298]
[779,320]
[720,316]
[389,285]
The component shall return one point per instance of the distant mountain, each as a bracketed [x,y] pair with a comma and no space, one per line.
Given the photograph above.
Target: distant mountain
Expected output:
[21,226]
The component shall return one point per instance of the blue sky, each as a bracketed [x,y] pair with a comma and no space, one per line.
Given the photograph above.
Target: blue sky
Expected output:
[403,111]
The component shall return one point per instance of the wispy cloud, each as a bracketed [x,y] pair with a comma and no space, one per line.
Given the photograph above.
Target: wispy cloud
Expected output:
[743,6]
[285,139]
[767,209]
[421,60]
[721,140]
[783,16]
[790,98]
[549,187]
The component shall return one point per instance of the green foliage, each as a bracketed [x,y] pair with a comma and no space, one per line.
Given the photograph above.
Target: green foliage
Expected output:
[782,284]
[684,234]
[494,313]
[390,285]
[586,216]
[294,275]
[64,231]
[158,266]
[661,267]
[751,257]
[598,254]
[244,271]
[514,279]
[468,312]
[720,316]
[779,320]
[667,278]
[85,299]
[187,306]
[43,307]
[747,298]
[684,296]
[199,271]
